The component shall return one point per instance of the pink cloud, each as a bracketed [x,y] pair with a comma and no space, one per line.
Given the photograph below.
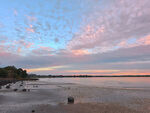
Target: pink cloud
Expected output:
[144,41]
[88,36]
[147,40]
[30,29]
[4,53]
[45,48]
[42,51]
[122,44]
[113,26]
[15,46]
[30,26]
[133,72]
[139,42]
[19,50]
[24,44]
[80,52]
[2,41]
[31,18]
[93,71]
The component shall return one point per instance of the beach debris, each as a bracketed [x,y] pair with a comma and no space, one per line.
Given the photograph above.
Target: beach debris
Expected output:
[24,90]
[15,89]
[70,100]
[8,86]
[33,111]
[35,86]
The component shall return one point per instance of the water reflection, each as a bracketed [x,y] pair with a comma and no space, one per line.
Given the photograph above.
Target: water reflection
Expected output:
[119,82]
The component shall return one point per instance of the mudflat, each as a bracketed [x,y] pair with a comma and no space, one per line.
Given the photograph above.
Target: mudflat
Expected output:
[51,97]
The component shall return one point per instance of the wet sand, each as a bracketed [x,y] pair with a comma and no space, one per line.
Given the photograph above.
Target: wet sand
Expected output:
[45,97]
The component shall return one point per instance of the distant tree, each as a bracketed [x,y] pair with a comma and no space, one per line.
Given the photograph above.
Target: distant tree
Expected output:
[11,68]
[22,73]
[13,72]
[3,73]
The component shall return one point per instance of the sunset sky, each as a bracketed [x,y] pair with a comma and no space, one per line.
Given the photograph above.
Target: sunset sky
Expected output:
[99,37]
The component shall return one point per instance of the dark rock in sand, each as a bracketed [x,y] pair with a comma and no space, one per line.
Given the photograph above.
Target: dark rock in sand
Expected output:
[24,90]
[8,86]
[35,86]
[70,100]
[33,111]
[15,89]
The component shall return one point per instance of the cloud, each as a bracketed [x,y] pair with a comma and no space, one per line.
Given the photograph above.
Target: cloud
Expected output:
[100,37]
[133,72]
[93,72]
[102,63]
[143,41]
[30,29]
[31,18]
[45,68]
[42,51]
[23,43]
[80,52]
[15,46]
[113,25]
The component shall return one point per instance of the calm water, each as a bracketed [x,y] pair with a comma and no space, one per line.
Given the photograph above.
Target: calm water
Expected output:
[119,82]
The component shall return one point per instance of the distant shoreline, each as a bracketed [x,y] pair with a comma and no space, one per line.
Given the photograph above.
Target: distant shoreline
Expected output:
[21,79]
[89,76]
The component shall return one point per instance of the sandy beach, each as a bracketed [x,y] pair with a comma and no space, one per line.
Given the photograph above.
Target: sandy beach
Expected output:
[51,97]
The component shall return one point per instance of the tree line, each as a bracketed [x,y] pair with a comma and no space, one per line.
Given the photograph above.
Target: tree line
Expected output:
[12,72]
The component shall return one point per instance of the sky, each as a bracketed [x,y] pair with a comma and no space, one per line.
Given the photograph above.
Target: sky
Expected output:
[96,37]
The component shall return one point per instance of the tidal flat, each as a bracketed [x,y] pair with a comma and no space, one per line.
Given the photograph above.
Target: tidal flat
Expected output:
[50,96]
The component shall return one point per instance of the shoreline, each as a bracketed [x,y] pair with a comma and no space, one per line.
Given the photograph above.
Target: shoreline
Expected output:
[24,79]
[7,81]
[90,76]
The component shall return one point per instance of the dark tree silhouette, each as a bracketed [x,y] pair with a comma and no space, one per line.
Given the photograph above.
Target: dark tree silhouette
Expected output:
[3,73]
[12,72]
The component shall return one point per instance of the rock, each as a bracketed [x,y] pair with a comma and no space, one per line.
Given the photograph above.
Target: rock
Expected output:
[15,89]
[24,90]
[8,86]
[70,100]
[33,111]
